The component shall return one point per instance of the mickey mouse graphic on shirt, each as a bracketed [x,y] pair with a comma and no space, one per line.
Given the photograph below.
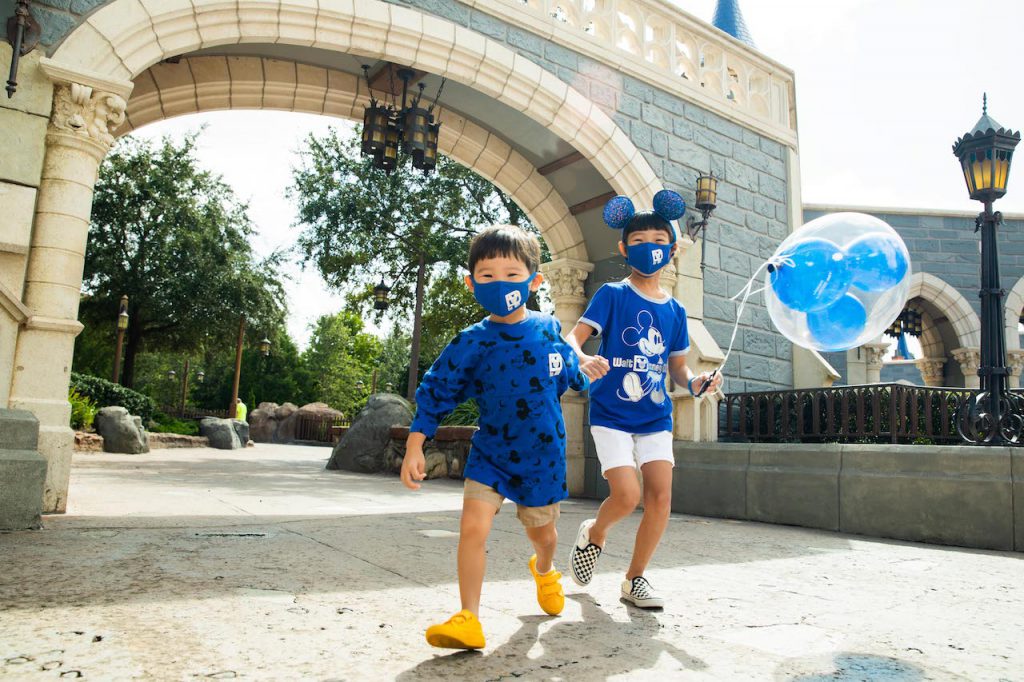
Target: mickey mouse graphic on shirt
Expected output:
[648,368]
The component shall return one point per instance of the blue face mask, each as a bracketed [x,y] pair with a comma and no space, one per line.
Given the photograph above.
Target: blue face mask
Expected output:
[502,298]
[648,258]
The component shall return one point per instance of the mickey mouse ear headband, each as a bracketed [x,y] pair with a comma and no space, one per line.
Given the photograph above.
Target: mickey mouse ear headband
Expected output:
[620,210]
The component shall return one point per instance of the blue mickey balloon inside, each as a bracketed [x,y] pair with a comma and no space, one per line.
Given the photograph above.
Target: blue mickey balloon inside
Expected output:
[877,262]
[838,326]
[813,275]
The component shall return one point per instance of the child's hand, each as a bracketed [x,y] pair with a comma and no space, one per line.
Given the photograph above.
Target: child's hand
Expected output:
[594,366]
[701,379]
[413,468]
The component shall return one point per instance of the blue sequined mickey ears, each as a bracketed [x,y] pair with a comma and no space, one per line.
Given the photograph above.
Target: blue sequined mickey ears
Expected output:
[618,212]
[669,205]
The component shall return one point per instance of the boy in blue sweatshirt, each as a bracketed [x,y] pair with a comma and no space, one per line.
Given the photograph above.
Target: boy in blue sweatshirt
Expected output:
[516,365]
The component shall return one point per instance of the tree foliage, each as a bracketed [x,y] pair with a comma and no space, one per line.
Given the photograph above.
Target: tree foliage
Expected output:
[361,226]
[340,355]
[174,238]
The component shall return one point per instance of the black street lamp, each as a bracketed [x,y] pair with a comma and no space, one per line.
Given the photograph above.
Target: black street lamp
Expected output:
[23,33]
[380,296]
[994,416]
[265,346]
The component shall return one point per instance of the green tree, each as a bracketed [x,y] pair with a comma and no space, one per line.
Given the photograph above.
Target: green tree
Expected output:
[174,238]
[362,226]
[340,355]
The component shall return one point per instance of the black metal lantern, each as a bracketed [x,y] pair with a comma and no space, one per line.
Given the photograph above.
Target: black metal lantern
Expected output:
[985,156]
[390,131]
[122,314]
[380,296]
[171,374]
[995,416]
[707,193]
[200,376]
[706,201]
[264,346]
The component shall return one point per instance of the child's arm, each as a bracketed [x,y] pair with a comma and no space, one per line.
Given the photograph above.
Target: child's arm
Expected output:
[442,389]
[593,366]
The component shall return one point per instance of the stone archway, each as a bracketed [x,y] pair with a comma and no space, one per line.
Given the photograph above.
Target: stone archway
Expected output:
[94,70]
[1012,311]
[961,318]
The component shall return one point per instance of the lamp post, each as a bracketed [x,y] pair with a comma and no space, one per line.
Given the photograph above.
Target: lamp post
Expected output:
[994,416]
[122,325]
[23,33]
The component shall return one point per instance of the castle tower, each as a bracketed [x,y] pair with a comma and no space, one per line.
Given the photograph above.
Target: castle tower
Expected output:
[729,18]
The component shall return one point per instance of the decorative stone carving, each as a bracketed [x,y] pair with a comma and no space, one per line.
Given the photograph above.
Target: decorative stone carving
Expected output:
[970,361]
[874,354]
[932,370]
[566,278]
[1015,363]
[80,110]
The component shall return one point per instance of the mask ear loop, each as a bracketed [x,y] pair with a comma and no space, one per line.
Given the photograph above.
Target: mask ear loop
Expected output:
[746,292]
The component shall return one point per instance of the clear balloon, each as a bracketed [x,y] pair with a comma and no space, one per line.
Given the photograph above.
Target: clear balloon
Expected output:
[838,282]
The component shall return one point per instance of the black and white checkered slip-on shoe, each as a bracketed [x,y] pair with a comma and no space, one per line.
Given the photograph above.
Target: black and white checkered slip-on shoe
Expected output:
[584,555]
[639,592]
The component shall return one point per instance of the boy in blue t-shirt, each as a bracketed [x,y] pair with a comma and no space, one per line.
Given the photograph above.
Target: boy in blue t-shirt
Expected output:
[643,340]
[516,365]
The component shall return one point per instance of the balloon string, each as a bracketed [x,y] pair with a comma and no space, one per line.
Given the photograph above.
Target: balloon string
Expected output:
[746,292]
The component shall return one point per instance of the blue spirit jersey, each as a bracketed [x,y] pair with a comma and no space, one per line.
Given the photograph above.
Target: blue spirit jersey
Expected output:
[516,373]
[638,336]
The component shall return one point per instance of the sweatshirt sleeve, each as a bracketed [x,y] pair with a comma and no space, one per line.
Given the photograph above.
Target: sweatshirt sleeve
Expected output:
[443,387]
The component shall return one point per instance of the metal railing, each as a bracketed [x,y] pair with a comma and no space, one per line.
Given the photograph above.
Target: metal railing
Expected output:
[318,428]
[193,412]
[872,413]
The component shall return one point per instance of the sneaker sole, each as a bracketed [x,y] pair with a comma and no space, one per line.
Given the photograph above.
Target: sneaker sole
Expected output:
[643,603]
[446,642]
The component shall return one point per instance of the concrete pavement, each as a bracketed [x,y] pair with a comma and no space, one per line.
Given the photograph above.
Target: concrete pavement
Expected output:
[260,564]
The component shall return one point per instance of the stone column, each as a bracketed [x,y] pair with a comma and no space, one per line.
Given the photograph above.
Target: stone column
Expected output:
[970,362]
[1015,363]
[565,278]
[932,370]
[77,139]
[874,354]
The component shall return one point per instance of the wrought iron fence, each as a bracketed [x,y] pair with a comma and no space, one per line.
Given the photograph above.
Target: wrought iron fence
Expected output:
[318,428]
[873,413]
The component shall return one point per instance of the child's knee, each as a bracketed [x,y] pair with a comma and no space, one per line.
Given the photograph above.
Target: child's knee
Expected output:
[627,497]
[544,536]
[658,500]
[474,529]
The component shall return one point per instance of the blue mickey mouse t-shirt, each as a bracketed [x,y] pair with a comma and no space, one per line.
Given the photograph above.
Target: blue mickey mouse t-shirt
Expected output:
[638,336]
[516,373]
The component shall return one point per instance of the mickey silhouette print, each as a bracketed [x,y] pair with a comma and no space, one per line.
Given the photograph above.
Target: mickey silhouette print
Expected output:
[648,375]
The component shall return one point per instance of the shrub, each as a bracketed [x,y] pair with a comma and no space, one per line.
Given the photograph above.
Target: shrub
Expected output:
[83,410]
[106,393]
[163,423]
[466,414]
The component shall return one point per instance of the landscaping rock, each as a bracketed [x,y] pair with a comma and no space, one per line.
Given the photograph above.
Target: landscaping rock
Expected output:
[285,431]
[242,430]
[121,431]
[262,424]
[365,447]
[221,433]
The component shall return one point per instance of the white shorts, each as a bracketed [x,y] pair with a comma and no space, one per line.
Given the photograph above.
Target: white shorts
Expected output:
[623,449]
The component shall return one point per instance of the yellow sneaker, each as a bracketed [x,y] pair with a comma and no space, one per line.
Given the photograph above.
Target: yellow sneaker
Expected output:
[549,589]
[461,631]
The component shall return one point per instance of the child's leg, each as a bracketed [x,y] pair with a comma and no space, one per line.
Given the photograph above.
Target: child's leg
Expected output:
[545,540]
[620,503]
[477,518]
[657,507]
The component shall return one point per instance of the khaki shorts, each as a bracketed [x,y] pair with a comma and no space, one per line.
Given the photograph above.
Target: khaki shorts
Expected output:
[530,517]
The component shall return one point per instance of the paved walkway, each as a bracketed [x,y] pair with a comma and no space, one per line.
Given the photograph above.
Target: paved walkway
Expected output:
[259,564]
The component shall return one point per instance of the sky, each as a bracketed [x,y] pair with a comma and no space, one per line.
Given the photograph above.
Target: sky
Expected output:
[884,89]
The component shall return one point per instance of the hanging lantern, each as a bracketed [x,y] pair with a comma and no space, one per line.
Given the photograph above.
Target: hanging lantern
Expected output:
[427,160]
[375,125]
[707,193]
[388,159]
[200,376]
[265,346]
[415,130]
